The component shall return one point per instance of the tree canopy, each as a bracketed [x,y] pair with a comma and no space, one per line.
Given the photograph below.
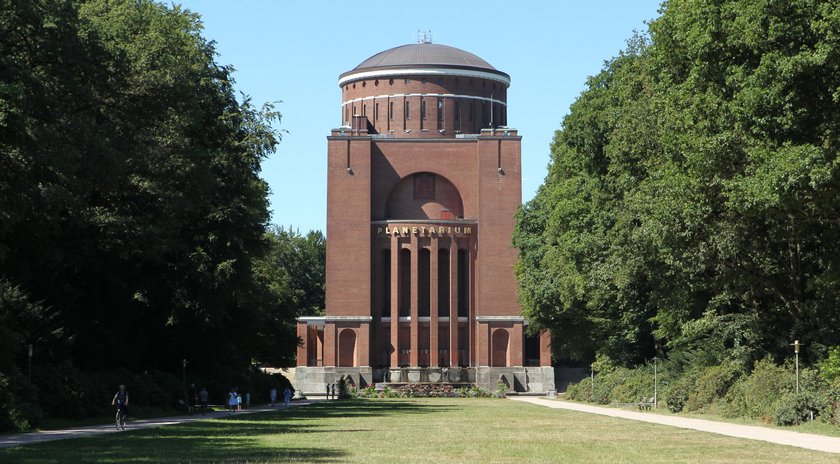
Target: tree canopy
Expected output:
[133,219]
[691,201]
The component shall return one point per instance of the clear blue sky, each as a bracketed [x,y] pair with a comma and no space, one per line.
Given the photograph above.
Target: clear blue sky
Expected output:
[293,51]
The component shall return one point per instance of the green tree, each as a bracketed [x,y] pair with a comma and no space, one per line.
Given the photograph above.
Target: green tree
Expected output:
[130,195]
[293,273]
[690,202]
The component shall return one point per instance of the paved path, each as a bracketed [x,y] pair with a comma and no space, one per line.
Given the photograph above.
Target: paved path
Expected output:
[18,439]
[751,432]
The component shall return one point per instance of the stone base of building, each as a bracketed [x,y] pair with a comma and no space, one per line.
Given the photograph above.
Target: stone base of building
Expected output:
[313,381]
[516,379]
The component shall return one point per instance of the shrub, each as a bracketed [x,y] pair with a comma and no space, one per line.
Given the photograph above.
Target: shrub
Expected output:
[677,394]
[367,392]
[501,390]
[830,366]
[16,413]
[755,396]
[615,385]
[830,412]
[425,390]
[630,385]
[796,408]
[711,385]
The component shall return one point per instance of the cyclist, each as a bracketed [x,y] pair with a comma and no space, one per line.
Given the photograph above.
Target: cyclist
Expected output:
[121,402]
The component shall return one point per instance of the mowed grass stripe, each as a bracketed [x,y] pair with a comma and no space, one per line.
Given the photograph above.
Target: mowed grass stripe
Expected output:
[414,431]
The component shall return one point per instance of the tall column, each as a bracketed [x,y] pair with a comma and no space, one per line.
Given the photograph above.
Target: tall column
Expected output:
[545,348]
[303,349]
[415,301]
[331,347]
[363,345]
[516,345]
[471,298]
[433,303]
[395,301]
[453,302]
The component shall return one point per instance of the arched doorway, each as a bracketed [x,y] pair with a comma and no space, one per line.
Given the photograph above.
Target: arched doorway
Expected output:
[347,348]
[500,348]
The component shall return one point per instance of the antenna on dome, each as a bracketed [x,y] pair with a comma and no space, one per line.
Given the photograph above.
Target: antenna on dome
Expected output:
[424,36]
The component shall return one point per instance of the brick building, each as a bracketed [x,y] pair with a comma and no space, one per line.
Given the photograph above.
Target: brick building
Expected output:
[424,181]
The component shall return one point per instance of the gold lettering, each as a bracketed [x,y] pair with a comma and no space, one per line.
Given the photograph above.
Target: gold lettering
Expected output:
[449,230]
[378,231]
[405,230]
[467,230]
[414,230]
[423,230]
[457,230]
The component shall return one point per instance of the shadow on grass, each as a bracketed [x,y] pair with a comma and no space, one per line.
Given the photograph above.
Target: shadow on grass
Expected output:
[237,438]
[365,408]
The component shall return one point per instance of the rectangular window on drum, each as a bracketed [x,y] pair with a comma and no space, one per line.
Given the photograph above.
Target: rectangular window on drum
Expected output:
[440,113]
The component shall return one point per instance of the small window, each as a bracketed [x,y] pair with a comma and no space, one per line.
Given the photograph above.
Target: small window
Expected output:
[354,85]
[391,111]
[390,82]
[440,113]
[376,112]
[376,82]
[407,110]
[364,83]
[457,111]
[422,109]
[364,110]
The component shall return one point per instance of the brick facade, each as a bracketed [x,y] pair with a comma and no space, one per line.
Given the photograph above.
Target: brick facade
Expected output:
[421,203]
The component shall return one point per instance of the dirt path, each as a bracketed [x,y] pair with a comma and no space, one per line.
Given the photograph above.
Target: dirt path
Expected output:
[751,432]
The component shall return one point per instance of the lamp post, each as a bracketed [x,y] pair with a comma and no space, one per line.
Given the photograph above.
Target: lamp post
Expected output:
[30,363]
[655,386]
[592,373]
[796,354]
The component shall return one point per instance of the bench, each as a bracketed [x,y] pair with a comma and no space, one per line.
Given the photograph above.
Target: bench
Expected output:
[645,404]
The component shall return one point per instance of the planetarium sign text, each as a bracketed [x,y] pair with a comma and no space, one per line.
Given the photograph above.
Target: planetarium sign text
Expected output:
[428,230]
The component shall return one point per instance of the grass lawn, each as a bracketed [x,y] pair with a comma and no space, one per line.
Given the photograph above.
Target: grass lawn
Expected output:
[418,430]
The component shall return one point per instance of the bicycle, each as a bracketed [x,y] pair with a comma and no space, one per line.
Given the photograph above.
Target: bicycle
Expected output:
[120,418]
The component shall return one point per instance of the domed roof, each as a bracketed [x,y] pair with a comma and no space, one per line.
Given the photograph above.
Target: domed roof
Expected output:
[424,58]
[424,54]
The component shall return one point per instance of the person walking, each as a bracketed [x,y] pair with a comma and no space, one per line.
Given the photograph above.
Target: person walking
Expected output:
[273,396]
[287,396]
[203,400]
[231,402]
[191,396]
